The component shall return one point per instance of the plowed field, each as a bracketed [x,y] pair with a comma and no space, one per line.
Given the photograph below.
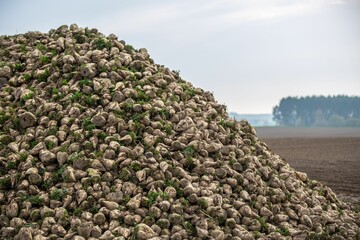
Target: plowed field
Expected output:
[329,155]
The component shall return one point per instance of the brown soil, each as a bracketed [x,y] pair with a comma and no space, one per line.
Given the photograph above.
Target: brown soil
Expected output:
[331,156]
[288,132]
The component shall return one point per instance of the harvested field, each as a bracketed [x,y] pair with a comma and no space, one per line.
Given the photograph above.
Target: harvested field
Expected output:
[287,132]
[329,155]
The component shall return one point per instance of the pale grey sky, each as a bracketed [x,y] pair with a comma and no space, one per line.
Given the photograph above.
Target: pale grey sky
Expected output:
[249,53]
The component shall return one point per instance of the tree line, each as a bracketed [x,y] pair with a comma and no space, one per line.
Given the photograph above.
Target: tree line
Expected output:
[318,111]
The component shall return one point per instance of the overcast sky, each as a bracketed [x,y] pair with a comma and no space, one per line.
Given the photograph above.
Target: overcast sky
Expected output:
[250,53]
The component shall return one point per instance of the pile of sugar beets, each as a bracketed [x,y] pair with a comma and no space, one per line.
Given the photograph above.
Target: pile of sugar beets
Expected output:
[99,142]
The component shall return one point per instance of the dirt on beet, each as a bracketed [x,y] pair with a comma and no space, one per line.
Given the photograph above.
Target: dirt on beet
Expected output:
[331,156]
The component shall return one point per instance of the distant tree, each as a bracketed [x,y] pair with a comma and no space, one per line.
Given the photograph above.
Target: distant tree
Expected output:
[319,118]
[336,120]
[318,111]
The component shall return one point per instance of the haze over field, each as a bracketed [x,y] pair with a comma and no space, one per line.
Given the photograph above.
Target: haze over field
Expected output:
[249,53]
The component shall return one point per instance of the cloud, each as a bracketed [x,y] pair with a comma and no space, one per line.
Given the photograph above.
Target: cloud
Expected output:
[237,12]
[201,18]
